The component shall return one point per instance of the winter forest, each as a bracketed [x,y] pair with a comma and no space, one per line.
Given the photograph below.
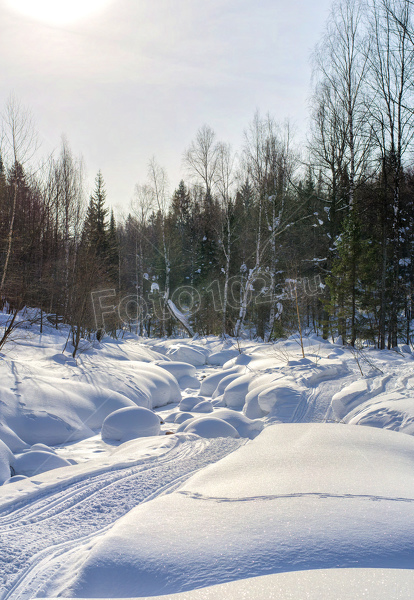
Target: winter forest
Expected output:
[265,240]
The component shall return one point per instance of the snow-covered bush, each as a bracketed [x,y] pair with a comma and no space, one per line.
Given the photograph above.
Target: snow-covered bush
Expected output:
[210,427]
[38,461]
[129,423]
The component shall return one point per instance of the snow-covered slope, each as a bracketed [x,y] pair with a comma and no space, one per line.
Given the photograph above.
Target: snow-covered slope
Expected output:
[321,584]
[48,397]
[302,486]
[299,496]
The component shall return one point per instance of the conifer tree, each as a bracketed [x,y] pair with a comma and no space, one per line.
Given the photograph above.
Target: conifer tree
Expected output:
[96,230]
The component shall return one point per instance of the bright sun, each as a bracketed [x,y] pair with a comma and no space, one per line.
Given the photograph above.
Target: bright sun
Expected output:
[57,12]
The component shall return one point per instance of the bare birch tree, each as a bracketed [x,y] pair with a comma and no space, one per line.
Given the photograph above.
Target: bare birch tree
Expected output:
[391,63]
[270,163]
[225,181]
[201,159]
[20,143]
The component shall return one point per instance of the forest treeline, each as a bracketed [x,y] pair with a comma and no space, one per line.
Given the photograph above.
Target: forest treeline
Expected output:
[268,238]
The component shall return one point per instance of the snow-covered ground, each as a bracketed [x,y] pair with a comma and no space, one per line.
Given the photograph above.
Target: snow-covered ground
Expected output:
[205,469]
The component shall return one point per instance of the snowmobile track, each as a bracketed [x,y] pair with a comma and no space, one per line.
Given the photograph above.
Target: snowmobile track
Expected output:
[48,527]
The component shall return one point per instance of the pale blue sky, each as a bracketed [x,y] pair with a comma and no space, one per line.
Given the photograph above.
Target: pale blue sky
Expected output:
[138,78]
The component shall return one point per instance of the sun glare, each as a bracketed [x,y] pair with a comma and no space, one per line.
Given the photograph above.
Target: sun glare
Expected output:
[57,12]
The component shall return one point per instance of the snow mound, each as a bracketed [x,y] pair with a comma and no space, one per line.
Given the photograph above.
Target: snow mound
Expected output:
[321,584]
[203,407]
[49,427]
[282,400]
[15,478]
[324,370]
[178,369]
[187,404]
[240,360]
[210,427]
[183,425]
[218,359]
[182,417]
[218,402]
[210,383]
[349,397]
[388,411]
[187,354]
[11,439]
[160,385]
[223,383]
[170,418]
[297,497]
[34,462]
[183,372]
[251,406]
[53,404]
[236,392]
[6,460]
[43,448]
[130,423]
[189,382]
[245,427]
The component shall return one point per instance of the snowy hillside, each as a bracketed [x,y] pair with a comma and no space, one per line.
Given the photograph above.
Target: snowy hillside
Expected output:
[155,467]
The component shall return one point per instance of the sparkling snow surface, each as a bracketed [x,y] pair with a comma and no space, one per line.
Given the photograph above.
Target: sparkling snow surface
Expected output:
[299,496]
[282,511]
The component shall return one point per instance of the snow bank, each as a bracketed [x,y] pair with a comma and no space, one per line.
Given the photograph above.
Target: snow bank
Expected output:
[392,410]
[324,370]
[321,584]
[147,384]
[11,439]
[298,497]
[6,460]
[129,423]
[349,397]
[54,402]
[210,427]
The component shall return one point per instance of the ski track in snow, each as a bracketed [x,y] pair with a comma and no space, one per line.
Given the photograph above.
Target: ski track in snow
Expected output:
[52,525]
[39,535]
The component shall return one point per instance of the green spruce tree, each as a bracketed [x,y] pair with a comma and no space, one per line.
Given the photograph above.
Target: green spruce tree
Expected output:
[96,229]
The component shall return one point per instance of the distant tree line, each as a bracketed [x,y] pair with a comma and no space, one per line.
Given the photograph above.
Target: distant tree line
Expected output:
[267,240]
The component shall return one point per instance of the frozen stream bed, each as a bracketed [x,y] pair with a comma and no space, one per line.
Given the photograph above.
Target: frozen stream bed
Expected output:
[257,466]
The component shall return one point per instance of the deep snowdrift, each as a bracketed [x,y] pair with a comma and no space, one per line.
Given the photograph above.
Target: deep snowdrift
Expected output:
[48,397]
[331,584]
[299,496]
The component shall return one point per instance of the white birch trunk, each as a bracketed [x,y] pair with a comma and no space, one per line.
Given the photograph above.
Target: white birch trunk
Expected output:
[9,239]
